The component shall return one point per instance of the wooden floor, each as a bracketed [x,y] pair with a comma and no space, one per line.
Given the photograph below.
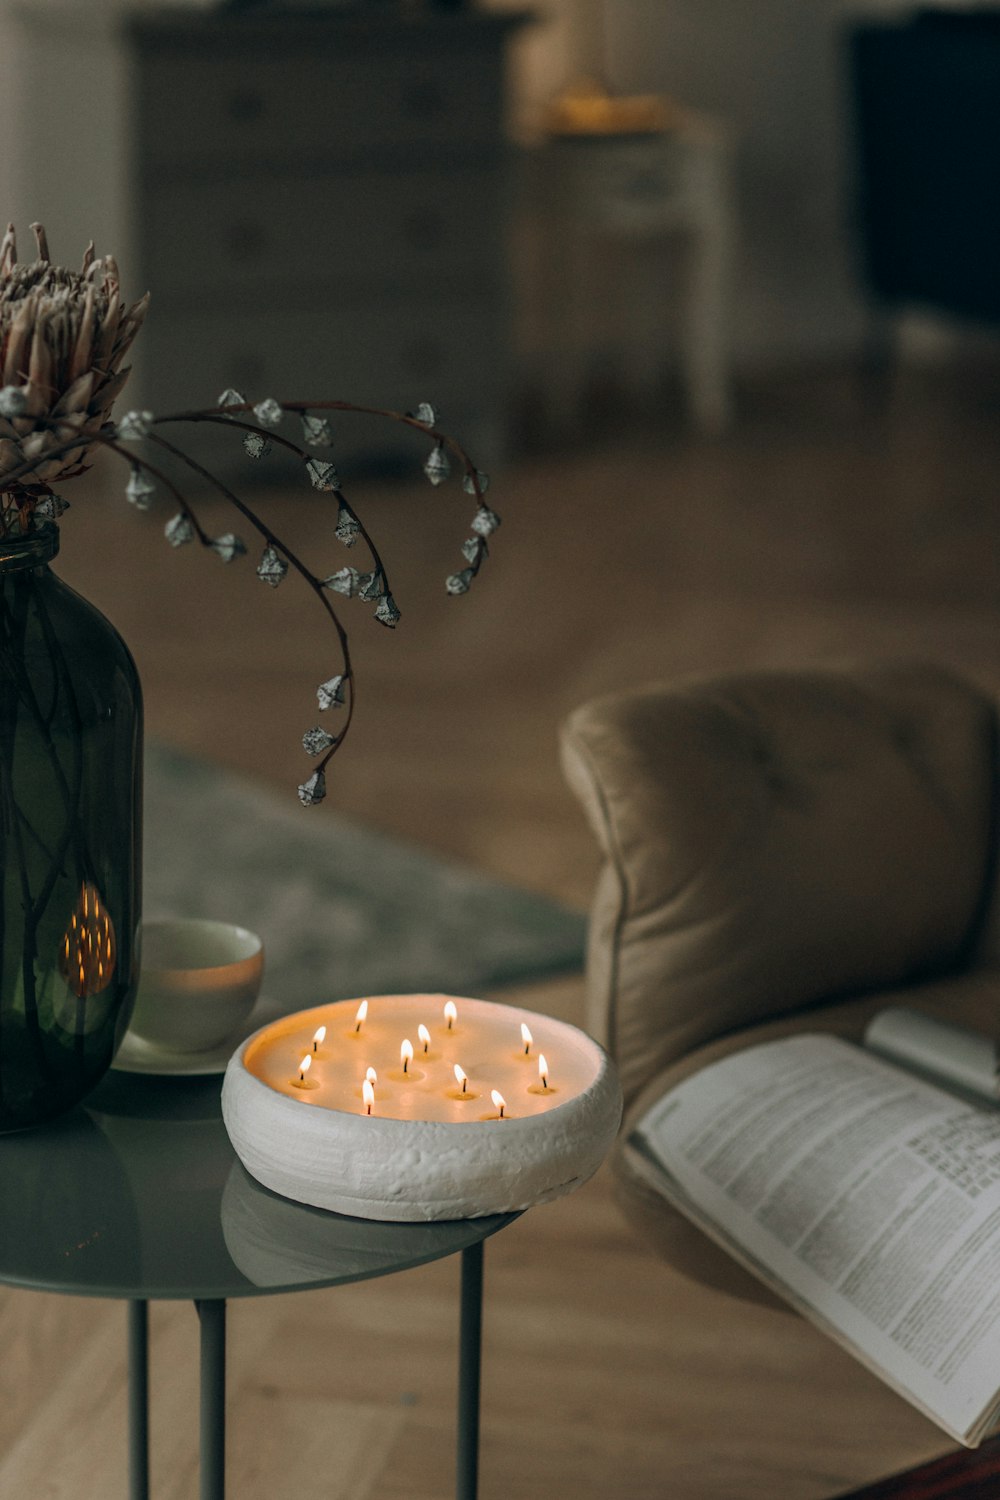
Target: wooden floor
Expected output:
[837,520]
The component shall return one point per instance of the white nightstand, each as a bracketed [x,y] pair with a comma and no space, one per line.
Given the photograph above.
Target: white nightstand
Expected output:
[588,193]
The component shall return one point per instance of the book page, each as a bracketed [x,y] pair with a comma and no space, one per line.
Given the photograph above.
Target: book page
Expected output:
[954,1055]
[868,1197]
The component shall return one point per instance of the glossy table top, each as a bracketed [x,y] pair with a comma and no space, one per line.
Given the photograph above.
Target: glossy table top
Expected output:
[140,1195]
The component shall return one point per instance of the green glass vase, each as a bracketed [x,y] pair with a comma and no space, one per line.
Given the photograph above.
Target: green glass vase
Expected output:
[70,833]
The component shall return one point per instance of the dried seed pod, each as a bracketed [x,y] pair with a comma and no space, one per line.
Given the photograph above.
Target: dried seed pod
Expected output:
[438,465]
[458,583]
[348,529]
[323,475]
[272,567]
[51,507]
[469,483]
[386,612]
[313,791]
[140,489]
[344,581]
[269,412]
[330,694]
[256,445]
[179,530]
[316,431]
[135,425]
[228,546]
[485,521]
[370,586]
[315,741]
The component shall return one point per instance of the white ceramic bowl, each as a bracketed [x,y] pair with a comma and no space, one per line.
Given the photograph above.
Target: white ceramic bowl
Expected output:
[412,1169]
[198,982]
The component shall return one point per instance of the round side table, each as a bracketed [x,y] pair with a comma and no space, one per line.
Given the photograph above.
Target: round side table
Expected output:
[140,1196]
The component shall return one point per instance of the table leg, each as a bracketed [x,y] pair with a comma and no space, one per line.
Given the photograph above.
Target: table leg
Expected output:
[469,1366]
[212,1315]
[138,1400]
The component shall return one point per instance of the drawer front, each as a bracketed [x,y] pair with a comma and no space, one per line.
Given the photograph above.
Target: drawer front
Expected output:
[361,233]
[387,354]
[287,111]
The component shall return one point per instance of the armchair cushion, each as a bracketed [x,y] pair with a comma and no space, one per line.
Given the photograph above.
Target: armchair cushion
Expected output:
[775,840]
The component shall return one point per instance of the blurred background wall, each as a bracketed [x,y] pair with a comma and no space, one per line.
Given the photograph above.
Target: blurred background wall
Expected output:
[774,72]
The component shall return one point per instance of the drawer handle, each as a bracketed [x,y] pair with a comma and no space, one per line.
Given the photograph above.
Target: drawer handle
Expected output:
[423,100]
[247,370]
[245,106]
[244,240]
[426,356]
[422,229]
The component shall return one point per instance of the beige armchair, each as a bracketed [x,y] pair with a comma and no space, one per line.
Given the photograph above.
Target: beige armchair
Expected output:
[782,851]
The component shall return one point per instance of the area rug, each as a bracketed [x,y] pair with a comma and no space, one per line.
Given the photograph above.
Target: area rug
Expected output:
[343,910]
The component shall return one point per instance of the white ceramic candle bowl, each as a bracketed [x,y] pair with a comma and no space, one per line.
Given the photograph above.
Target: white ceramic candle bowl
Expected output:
[198,982]
[295,1103]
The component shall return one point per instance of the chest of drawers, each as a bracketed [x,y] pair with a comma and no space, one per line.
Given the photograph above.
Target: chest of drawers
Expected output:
[316,199]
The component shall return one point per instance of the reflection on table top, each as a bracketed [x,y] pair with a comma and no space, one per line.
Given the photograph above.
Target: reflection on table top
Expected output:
[140,1195]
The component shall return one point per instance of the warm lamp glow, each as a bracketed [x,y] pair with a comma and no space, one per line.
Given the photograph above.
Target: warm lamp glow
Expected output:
[371,1076]
[88,955]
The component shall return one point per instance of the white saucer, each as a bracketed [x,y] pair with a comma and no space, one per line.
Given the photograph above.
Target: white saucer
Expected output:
[138,1056]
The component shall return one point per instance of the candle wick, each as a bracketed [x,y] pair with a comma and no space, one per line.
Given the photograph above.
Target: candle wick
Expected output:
[501,1112]
[406,1064]
[527,1048]
[357,1027]
[369,1109]
[465,1084]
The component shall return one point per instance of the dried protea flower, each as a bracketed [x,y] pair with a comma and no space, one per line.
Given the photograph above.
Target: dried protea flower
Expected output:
[63,336]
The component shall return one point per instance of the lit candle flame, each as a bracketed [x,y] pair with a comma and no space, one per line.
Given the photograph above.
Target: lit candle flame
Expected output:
[543,1070]
[406,1054]
[371,1076]
[359,1019]
[525,1038]
[319,1037]
[424,1035]
[499,1101]
[304,1067]
[461,1077]
[450,1013]
[368,1094]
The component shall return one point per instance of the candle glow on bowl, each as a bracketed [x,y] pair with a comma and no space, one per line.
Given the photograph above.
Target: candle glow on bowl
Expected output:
[411,1145]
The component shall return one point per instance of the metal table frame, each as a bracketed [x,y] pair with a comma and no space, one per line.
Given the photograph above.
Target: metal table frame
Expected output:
[212,1422]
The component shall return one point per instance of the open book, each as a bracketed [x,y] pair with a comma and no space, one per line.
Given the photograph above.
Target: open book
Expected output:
[865,1195]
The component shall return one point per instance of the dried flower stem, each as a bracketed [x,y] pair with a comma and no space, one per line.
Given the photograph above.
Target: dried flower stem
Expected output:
[23,487]
[294,561]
